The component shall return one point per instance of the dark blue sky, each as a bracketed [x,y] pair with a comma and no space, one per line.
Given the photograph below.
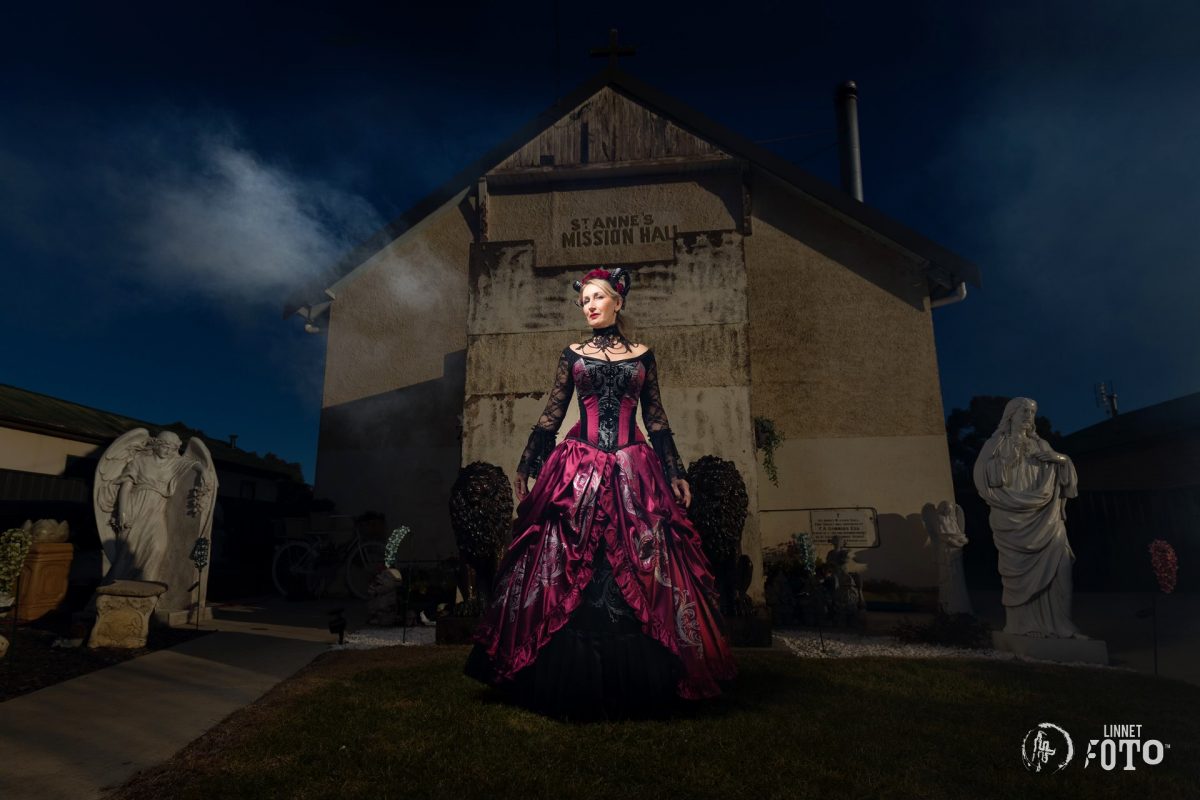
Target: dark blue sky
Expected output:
[169,172]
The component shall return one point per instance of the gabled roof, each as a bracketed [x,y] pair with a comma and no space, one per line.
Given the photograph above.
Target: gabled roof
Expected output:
[21,409]
[942,265]
[1172,419]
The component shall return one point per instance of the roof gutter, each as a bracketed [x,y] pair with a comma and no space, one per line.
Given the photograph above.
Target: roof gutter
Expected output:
[957,296]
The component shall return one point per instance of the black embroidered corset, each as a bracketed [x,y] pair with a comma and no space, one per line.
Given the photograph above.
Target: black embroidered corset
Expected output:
[609,393]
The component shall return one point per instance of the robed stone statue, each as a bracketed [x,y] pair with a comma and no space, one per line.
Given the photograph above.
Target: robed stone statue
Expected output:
[1027,484]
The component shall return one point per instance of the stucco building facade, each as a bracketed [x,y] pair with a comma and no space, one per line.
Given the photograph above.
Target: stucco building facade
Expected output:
[764,292]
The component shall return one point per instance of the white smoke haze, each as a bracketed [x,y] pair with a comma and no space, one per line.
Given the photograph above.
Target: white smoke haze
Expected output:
[233,226]
[402,290]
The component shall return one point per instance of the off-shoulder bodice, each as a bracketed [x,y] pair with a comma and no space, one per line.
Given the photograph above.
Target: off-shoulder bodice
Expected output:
[608,394]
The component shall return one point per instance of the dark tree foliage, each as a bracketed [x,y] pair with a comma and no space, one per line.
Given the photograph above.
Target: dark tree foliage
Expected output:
[481,508]
[967,430]
[718,510]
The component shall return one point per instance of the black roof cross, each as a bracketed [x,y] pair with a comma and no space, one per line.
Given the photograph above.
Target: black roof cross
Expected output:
[613,51]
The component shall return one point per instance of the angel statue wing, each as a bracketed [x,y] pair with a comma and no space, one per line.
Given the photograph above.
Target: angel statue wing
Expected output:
[192,495]
[202,493]
[104,490]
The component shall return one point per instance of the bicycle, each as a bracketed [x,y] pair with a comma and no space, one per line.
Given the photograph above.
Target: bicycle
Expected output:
[306,567]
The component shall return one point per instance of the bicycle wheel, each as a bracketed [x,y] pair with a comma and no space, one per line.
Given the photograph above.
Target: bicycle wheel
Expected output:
[293,571]
[362,565]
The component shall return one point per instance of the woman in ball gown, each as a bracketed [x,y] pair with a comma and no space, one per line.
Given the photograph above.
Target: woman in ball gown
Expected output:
[604,604]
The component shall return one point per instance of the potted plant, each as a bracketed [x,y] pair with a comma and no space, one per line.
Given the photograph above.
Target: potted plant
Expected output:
[14,547]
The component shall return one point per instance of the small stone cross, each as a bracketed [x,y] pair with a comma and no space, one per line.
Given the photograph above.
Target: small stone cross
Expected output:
[613,51]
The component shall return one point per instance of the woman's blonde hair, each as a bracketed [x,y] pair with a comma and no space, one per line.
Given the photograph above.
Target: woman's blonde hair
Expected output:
[623,325]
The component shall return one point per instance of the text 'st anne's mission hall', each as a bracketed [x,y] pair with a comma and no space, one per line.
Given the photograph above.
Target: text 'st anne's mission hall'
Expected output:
[616,230]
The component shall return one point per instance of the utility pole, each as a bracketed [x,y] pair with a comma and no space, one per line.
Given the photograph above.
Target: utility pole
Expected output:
[1106,398]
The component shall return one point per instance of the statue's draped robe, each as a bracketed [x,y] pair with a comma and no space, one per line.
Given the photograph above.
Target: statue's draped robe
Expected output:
[952,591]
[139,553]
[1027,499]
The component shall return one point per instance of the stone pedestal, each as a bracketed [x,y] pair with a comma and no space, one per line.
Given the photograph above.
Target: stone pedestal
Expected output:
[123,611]
[180,619]
[44,579]
[1067,651]
[455,630]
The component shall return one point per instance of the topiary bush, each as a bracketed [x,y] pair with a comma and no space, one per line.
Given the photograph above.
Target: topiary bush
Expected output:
[719,506]
[718,510]
[481,507]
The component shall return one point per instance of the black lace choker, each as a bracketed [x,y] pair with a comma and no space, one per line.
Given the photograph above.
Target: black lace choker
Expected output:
[610,332]
[608,340]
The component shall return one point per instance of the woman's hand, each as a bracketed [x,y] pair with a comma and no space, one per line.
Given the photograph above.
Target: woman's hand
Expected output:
[683,492]
[521,486]
[1050,457]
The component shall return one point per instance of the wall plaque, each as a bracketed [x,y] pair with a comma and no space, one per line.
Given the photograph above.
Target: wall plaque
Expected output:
[854,527]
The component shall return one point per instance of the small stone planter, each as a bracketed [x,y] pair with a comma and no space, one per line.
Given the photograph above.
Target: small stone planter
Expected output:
[44,579]
[123,613]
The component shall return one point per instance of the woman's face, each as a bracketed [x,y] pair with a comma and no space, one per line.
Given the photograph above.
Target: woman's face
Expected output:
[599,309]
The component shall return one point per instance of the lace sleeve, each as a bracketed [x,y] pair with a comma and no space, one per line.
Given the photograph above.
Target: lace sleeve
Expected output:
[541,439]
[655,419]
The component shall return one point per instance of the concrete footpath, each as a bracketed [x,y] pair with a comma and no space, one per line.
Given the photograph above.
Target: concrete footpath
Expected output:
[82,737]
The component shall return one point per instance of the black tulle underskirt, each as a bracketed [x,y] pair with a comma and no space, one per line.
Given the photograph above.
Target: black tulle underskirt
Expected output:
[600,665]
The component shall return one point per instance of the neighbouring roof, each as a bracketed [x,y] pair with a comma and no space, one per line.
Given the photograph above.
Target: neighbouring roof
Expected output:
[21,409]
[946,267]
[1170,420]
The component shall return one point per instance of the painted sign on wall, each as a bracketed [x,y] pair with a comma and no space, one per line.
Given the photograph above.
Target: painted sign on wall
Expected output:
[615,229]
[612,224]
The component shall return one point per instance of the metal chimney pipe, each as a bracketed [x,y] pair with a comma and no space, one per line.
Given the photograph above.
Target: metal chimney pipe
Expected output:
[848,146]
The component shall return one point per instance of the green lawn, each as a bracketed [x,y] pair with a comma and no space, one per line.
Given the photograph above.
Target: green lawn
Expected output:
[405,723]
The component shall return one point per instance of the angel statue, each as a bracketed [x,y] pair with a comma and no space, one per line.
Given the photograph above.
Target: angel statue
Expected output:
[152,504]
[950,540]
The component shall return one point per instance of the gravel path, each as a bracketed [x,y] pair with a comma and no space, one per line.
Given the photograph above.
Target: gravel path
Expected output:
[372,638]
[802,643]
[840,644]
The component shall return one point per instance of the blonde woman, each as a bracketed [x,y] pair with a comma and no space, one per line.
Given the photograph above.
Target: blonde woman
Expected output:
[604,604]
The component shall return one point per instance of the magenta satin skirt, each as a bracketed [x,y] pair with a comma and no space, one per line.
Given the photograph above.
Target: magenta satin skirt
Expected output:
[583,496]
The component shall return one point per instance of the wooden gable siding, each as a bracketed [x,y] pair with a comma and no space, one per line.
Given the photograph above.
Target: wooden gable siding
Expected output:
[618,130]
